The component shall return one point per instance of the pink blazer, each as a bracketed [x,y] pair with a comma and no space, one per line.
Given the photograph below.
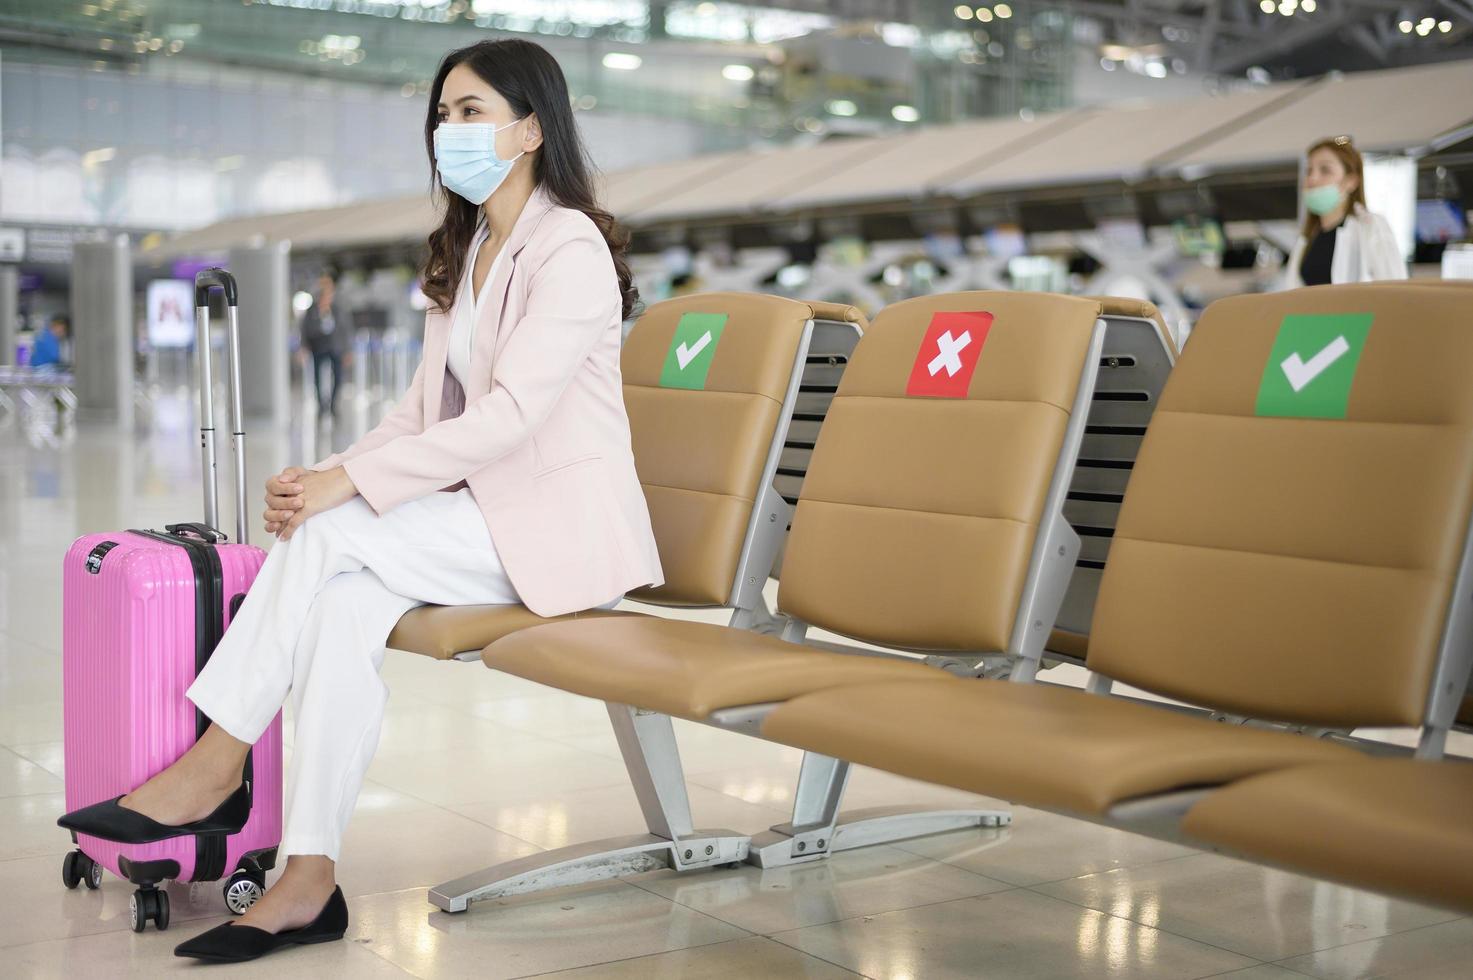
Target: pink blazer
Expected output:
[540,436]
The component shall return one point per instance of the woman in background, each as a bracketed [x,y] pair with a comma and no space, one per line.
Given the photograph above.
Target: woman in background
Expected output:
[1341,241]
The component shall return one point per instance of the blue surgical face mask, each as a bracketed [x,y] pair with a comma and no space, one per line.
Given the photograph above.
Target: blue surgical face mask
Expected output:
[465,156]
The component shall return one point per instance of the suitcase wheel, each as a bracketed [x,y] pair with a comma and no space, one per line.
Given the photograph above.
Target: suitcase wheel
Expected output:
[243,890]
[146,904]
[77,868]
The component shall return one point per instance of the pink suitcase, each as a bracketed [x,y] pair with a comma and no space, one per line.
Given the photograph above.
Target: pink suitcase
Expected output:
[142,611]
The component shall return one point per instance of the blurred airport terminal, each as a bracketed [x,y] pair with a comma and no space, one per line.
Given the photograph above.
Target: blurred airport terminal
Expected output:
[1133,177]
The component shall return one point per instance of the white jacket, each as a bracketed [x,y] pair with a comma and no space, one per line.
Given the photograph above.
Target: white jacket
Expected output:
[1365,251]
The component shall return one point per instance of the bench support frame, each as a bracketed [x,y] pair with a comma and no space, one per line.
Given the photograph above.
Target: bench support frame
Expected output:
[647,742]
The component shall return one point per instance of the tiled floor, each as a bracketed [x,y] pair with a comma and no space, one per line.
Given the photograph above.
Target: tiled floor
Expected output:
[475,767]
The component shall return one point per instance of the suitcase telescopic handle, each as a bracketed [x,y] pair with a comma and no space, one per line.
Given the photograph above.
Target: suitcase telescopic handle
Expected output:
[204,281]
[214,276]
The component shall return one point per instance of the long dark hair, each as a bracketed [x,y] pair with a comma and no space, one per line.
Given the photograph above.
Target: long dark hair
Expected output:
[531,81]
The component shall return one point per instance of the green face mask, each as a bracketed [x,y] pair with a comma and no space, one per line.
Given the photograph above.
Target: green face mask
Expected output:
[1323,199]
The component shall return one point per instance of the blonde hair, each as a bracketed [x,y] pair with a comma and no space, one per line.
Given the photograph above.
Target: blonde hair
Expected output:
[1350,158]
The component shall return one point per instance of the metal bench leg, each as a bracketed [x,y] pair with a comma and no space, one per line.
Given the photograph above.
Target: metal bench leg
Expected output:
[818,829]
[647,742]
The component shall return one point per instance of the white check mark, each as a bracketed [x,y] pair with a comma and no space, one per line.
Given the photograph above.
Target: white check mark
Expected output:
[685,354]
[1301,372]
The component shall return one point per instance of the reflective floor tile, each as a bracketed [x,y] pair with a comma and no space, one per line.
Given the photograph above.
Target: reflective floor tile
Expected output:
[550,714]
[22,777]
[28,826]
[612,811]
[414,724]
[32,721]
[1012,935]
[740,959]
[39,907]
[151,953]
[526,769]
[531,934]
[394,849]
[1257,911]
[854,883]
[1043,847]
[1439,952]
[50,756]
[770,785]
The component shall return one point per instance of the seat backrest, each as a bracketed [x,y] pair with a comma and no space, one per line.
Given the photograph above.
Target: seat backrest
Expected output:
[707,380]
[1299,510]
[1137,359]
[917,519]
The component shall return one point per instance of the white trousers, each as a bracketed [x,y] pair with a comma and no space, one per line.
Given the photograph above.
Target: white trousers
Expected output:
[313,625]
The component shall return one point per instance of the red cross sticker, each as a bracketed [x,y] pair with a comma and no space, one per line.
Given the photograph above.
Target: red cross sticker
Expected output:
[948,355]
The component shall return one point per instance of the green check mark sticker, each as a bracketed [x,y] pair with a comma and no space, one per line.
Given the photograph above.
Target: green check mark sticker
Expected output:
[692,350]
[1312,365]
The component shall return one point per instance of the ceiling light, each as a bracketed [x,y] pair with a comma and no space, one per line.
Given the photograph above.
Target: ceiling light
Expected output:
[737,73]
[1002,10]
[841,107]
[1405,26]
[622,61]
[1424,29]
[905,113]
[1445,26]
[984,15]
[1267,6]
[963,12]
[1155,69]
[1308,6]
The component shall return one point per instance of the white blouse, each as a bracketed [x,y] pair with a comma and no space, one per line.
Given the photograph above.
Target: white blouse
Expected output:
[463,330]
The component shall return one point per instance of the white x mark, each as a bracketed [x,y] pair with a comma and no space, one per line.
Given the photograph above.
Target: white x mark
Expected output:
[949,347]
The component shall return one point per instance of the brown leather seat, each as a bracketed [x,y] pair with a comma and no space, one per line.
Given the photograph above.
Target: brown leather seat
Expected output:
[700,456]
[915,526]
[684,668]
[1280,567]
[1401,826]
[1046,746]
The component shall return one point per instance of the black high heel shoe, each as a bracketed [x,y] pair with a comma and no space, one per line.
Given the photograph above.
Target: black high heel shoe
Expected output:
[231,943]
[110,821]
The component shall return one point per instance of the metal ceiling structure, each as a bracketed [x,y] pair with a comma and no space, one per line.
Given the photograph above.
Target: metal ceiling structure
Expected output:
[399,41]
[1063,161]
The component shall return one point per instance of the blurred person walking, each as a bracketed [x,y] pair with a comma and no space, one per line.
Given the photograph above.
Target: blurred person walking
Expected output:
[48,351]
[327,338]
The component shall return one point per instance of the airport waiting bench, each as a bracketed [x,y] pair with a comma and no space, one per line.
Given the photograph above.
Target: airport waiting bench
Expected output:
[707,455]
[930,520]
[1294,545]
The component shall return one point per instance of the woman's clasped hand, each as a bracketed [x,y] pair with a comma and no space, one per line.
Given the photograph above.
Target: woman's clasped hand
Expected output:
[295,494]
